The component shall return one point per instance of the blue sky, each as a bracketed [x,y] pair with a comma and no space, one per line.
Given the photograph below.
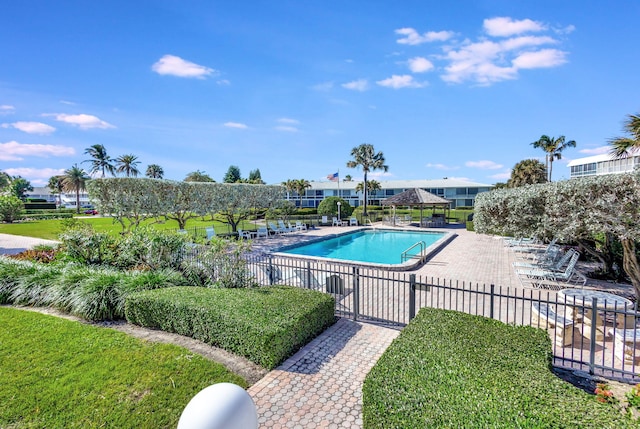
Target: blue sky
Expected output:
[443,89]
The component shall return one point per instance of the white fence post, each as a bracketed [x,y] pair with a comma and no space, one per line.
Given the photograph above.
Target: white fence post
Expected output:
[220,406]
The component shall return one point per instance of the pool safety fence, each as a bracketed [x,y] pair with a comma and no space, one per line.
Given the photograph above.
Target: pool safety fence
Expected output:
[585,337]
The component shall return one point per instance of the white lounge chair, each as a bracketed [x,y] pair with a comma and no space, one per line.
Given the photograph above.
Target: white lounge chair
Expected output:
[276,229]
[244,234]
[353,222]
[322,281]
[335,222]
[301,226]
[570,274]
[284,227]
[553,263]
[263,232]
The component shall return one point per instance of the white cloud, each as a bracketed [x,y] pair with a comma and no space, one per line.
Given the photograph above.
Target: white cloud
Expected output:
[224,82]
[420,65]
[540,59]
[397,82]
[37,176]
[288,121]
[323,86]
[596,150]
[7,107]
[412,37]
[357,85]
[14,151]
[501,176]
[82,121]
[505,26]
[70,103]
[176,66]
[441,167]
[485,165]
[31,127]
[286,128]
[235,125]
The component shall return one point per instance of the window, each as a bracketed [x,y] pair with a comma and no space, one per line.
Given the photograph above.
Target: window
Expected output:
[472,191]
[388,192]
[461,191]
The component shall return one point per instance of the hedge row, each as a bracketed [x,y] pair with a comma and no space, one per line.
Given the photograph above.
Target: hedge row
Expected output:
[449,369]
[46,216]
[266,325]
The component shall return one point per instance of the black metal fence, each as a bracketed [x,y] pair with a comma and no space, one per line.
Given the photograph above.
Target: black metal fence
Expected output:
[584,336]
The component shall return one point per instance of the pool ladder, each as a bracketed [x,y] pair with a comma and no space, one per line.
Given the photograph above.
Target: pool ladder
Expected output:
[404,256]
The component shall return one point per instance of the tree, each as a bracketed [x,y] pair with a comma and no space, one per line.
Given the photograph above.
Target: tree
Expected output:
[232,175]
[365,157]
[5,180]
[128,164]
[237,201]
[56,185]
[329,206]
[100,162]
[154,171]
[527,172]
[198,176]
[290,185]
[348,178]
[621,146]
[75,179]
[19,187]
[255,177]
[553,148]
[301,186]
[10,208]
[500,185]
[372,185]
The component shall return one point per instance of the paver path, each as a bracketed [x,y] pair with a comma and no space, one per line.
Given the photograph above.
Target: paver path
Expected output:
[12,244]
[321,385]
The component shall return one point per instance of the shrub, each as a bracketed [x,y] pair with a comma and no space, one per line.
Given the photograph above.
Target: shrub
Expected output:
[470,225]
[266,325]
[449,369]
[329,206]
[10,208]
[148,248]
[82,243]
[221,264]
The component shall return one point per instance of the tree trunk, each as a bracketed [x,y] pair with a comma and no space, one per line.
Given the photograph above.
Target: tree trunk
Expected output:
[550,167]
[631,265]
[78,201]
[364,211]
[605,257]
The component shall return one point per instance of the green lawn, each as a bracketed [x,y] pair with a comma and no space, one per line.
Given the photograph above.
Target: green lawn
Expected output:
[49,229]
[58,373]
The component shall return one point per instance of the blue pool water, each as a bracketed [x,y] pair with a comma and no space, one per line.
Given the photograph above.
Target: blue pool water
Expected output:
[375,246]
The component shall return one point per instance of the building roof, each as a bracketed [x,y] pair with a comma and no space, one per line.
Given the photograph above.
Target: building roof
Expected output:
[597,158]
[415,197]
[403,184]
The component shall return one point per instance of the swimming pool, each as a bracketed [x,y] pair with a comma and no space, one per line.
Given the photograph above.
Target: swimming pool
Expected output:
[379,247]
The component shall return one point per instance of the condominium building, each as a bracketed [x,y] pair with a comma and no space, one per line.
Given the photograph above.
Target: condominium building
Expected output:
[603,164]
[460,192]
[65,199]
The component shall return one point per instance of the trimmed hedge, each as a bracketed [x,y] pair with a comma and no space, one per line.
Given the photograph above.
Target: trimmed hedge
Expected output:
[454,370]
[46,216]
[266,325]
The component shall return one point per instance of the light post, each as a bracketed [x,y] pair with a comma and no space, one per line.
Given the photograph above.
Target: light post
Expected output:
[339,217]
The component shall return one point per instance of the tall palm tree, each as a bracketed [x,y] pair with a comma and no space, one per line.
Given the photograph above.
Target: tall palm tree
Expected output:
[527,172]
[100,162]
[365,157]
[301,185]
[372,185]
[75,179]
[128,164]
[154,171]
[552,148]
[621,146]
[56,185]
[290,185]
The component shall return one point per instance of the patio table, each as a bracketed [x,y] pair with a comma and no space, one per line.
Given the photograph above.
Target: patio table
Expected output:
[583,299]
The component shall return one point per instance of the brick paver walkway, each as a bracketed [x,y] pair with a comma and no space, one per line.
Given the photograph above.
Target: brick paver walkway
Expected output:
[12,244]
[321,385]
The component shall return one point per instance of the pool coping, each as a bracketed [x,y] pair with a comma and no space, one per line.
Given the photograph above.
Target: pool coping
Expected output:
[411,264]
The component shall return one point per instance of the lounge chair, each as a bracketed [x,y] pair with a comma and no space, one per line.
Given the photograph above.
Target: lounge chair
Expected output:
[353,222]
[284,227]
[300,226]
[263,232]
[568,275]
[321,281]
[244,234]
[325,220]
[276,229]
[210,232]
[553,263]
[335,222]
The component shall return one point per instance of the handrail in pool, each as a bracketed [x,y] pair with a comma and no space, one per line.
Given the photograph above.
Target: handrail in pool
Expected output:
[404,255]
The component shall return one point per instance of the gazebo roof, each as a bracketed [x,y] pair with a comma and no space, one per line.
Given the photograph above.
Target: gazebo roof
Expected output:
[415,197]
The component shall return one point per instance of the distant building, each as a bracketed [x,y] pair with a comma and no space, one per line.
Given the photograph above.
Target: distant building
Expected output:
[603,164]
[65,199]
[460,192]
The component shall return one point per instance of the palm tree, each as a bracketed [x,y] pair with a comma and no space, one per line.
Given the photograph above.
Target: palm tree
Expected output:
[621,146]
[527,172]
[198,176]
[128,164]
[348,178]
[290,185]
[552,148]
[365,157]
[56,184]
[154,171]
[301,185]
[74,180]
[372,185]
[101,162]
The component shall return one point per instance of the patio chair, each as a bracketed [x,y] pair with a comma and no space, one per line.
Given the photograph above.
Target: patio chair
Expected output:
[276,229]
[325,220]
[284,227]
[301,226]
[335,222]
[553,262]
[520,241]
[244,234]
[569,274]
[321,281]
[353,222]
[263,232]
[211,232]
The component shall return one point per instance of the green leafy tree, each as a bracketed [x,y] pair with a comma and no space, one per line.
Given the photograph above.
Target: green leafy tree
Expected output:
[364,156]
[198,176]
[622,146]
[329,207]
[128,164]
[154,171]
[553,148]
[75,180]
[10,208]
[500,185]
[100,161]
[237,201]
[232,175]
[5,180]
[56,185]
[255,177]
[301,186]
[527,172]
[348,178]
[19,187]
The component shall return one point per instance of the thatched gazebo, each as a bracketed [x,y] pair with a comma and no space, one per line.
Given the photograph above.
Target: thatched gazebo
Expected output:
[418,197]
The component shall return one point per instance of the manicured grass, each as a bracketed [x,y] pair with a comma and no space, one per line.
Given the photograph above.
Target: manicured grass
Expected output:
[50,229]
[453,370]
[58,373]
